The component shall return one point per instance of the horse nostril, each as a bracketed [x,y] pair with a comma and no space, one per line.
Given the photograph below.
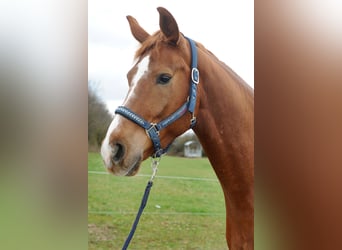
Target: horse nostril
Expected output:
[118,153]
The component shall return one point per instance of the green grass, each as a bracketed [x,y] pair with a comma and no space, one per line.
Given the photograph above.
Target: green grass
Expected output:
[180,214]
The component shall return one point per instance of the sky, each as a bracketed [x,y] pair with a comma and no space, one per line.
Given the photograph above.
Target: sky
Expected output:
[226,28]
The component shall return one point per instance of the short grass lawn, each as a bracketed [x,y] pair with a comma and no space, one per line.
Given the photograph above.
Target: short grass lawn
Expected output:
[185,209]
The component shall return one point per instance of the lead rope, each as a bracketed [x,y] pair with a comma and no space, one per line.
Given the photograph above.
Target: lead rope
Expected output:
[154,166]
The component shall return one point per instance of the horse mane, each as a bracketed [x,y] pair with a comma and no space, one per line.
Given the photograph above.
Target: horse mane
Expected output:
[229,70]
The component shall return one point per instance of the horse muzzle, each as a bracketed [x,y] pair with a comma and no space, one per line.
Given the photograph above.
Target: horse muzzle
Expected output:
[118,161]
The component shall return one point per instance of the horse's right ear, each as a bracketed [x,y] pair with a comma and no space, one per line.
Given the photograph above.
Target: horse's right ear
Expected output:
[139,33]
[168,25]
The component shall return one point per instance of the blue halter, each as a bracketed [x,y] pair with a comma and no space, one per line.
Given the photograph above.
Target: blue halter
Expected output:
[153,129]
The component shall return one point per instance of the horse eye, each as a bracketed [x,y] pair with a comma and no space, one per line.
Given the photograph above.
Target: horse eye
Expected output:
[163,79]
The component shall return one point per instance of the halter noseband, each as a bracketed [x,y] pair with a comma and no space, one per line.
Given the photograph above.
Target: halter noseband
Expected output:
[152,129]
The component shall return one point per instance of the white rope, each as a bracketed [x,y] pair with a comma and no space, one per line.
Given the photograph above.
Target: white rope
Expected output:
[163,177]
[157,213]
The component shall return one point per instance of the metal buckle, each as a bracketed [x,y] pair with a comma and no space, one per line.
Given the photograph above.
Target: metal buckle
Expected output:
[195,75]
[193,121]
[153,126]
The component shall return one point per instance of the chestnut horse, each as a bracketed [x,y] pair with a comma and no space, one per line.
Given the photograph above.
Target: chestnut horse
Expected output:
[158,108]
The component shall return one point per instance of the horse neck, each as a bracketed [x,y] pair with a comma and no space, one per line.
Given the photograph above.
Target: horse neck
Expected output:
[225,120]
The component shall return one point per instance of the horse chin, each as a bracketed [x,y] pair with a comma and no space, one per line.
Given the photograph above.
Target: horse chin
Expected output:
[127,168]
[134,169]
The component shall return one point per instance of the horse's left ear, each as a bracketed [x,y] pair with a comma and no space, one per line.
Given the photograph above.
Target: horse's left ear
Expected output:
[139,33]
[168,25]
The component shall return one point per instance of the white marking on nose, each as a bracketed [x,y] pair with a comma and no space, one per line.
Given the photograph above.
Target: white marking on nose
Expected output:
[142,69]
[141,72]
[106,148]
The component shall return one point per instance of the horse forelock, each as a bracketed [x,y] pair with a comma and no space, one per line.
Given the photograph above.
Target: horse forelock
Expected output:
[151,42]
[148,45]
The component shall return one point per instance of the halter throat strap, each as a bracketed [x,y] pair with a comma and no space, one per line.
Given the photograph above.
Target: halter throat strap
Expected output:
[153,129]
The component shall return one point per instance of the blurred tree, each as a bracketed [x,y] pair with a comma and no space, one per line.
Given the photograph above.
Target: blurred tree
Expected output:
[99,118]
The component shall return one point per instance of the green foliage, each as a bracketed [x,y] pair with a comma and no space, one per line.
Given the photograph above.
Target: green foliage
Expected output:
[180,213]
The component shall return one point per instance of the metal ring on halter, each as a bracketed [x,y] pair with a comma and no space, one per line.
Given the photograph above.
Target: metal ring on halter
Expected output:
[193,121]
[157,154]
[195,75]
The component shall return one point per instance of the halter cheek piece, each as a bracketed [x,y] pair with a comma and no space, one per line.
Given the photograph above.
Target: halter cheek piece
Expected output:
[153,129]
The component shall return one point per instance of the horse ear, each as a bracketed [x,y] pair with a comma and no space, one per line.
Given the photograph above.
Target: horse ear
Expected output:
[139,33]
[168,25]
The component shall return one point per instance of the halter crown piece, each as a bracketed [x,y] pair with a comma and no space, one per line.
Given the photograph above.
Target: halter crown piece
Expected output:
[153,129]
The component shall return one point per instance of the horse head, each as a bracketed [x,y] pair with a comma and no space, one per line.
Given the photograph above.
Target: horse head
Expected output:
[158,86]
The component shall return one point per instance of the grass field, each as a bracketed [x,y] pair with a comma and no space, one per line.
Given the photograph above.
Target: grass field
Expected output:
[182,213]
